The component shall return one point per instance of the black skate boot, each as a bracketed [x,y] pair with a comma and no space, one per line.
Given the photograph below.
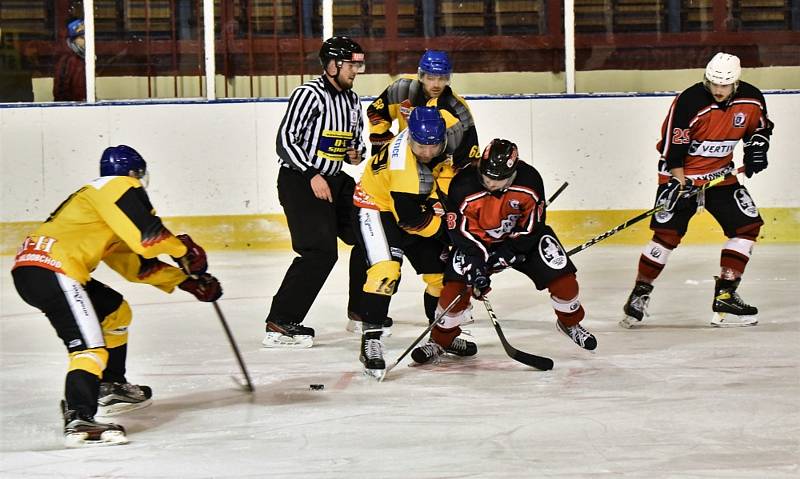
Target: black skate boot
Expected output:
[81,430]
[355,324]
[729,309]
[372,352]
[288,335]
[462,347]
[636,307]
[117,398]
[430,351]
[579,334]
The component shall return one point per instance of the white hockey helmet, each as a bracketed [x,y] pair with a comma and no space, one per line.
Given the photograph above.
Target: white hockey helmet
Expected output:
[724,69]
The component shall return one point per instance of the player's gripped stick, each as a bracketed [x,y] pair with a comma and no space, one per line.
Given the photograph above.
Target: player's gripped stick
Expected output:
[427,330]
[649,213]
[248,386]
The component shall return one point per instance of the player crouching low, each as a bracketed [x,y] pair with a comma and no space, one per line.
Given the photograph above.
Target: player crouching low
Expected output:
[110,219]
[496,219]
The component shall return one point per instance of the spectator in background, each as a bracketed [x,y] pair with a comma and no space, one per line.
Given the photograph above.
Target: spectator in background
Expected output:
[69,79]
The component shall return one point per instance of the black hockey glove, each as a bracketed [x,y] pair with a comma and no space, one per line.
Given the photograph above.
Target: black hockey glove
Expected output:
[205,287]
[503,257]
[755,154]
[477,276]
[679,196]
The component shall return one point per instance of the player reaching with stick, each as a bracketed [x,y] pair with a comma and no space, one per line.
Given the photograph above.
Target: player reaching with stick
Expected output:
[110,220]
[496,220]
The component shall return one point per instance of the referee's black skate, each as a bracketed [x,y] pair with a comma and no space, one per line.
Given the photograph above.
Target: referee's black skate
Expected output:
[635,308]
[288,335]
[729,308]
[372,353]
[118,398]
[81,430]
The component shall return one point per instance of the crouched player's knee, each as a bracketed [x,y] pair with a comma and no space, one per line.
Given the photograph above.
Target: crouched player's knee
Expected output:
[92,360]
[382,278]
[115,325]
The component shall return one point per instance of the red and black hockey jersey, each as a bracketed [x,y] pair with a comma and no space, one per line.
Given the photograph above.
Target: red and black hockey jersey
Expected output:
[477,219]
[700,134]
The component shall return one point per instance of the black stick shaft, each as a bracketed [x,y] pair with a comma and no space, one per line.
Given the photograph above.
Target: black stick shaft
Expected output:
[235,348]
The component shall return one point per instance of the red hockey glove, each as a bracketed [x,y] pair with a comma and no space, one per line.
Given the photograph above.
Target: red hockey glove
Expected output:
[195,257]
[205,287]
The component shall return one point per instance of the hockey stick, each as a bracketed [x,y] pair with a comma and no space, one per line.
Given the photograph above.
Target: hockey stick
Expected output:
[649,213]
[248,386]
[427,330]
[558,192]
[539,362]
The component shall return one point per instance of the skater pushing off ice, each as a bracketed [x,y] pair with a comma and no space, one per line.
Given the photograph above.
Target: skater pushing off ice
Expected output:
[704,124]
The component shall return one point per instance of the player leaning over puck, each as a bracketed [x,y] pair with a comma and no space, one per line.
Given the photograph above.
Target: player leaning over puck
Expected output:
[111,220]
[704,124]
[496,220]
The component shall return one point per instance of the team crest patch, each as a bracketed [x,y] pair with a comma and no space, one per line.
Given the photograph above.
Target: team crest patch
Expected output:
[405,108]
[745,203]
[354,116]
[552,253]
[739,120]
[662,216]
[460,263]
[514,204]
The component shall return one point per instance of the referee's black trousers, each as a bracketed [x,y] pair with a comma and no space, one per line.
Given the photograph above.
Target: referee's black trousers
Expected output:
[314,226]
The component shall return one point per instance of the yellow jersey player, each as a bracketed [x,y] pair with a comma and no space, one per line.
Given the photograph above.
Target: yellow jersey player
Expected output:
[430,88]
[399,215]
[110,219]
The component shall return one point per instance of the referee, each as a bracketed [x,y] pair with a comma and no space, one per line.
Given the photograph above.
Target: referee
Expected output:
[319,132]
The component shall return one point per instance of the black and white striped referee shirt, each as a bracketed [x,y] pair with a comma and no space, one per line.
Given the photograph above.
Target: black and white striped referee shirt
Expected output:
[320,125]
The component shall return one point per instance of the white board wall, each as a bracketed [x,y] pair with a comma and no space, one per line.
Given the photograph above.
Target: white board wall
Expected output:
[219,158]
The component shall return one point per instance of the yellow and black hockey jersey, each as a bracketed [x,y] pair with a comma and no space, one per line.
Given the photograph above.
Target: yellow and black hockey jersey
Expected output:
[111,220]
[396,103]
[394,181]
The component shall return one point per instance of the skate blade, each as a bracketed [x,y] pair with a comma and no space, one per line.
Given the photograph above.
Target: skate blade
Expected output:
[356,328]
[629,322]
[108,438]
[122,408]
[728,320]
[279,341]
[377,374]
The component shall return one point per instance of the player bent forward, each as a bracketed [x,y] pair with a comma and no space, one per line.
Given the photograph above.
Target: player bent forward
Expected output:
[496,220]
[111,220]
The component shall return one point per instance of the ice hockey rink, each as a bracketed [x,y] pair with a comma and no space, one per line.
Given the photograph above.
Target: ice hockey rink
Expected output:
[675,398]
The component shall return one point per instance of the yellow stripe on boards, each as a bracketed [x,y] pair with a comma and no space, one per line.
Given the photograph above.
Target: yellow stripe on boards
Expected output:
[269,232]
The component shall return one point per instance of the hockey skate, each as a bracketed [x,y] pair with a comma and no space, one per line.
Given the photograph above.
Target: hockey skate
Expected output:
[372,354]
[428,352]
[288,335]
[83,431]
[729,309]
[118,398]
[635,308]
[579,335]
[356,325]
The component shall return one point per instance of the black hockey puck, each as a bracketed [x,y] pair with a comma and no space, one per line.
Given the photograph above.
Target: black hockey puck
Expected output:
[316,387]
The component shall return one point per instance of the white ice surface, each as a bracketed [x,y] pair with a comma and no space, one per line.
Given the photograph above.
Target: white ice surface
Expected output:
[675,398]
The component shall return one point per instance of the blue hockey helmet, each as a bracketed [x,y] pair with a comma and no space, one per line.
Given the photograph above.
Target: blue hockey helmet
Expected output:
[121,160]
[426,126]
[75,28]
[435,62]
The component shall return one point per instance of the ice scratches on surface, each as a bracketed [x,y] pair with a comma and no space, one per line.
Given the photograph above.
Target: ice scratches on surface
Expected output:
[673,398]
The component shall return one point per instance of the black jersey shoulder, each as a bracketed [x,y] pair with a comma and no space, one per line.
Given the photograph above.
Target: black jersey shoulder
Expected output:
[747,90]
[529,177]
